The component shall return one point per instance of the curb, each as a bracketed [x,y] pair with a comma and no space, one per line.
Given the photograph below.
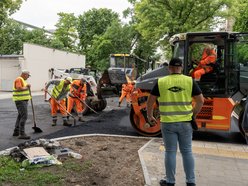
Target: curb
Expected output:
[82,135]
[143,164]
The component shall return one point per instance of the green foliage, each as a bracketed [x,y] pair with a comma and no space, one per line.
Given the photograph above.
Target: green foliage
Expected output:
[155,18]
[8,7]
[65,36]
[11,37]
[94,23]
[12,174]
[36,36]
[241,25]
[116,39]
[241,21]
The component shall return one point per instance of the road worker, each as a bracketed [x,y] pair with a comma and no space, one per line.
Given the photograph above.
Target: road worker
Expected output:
[21,95]
[125,93]
[175,93]
[78,93]
[205,64]
[131,85]
[58,99]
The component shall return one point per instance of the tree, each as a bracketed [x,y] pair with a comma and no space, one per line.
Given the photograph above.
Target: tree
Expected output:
[241,25]
[36,36]
[241,19]
[156,18]
[8,7]
[94,23]
[66,36]
[13,35]
[116,39]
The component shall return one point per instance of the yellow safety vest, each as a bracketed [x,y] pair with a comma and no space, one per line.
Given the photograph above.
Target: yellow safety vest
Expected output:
[175,101]
[57,90]
[21,95]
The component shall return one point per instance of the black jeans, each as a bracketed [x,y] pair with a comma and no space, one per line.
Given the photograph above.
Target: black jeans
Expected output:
[22,108]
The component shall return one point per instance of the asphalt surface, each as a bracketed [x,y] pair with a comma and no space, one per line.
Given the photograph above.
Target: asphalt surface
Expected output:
[221,157]
[113,120]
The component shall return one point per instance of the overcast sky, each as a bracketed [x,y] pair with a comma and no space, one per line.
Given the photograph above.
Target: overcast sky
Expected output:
[43,13]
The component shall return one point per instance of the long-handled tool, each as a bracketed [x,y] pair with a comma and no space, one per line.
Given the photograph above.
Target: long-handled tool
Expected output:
[85,103]
[36,129]
[75,121]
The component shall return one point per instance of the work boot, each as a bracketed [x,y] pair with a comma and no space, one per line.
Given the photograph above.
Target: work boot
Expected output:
[54,122]
[165,183]
[15,133]
[191,184]
[24,136]
[80,119]
[65,123]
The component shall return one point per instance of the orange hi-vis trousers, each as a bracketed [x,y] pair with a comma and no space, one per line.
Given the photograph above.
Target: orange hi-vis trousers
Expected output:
[70,104]
[55,106]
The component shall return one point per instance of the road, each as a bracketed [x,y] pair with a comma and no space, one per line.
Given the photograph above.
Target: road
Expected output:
[113,120]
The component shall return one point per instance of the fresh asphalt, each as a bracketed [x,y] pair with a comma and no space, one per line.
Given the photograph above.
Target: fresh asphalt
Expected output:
[113,120]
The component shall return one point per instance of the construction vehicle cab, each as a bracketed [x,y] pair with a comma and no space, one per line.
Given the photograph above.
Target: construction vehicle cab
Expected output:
[221,87]
[122,68]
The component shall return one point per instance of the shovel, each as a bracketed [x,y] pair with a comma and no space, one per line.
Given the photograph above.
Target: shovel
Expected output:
[85,103]
[36,129]
[75,121]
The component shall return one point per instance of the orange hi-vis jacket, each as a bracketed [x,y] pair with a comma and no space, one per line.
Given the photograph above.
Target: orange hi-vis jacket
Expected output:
[125,87]
[77,91]
[126,91]
[208,58]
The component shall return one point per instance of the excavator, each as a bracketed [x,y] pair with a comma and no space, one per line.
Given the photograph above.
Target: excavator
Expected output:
[225,88]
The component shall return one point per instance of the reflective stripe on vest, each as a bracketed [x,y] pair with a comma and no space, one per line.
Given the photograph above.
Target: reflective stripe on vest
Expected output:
[175,101]
[57,90]
[21,94]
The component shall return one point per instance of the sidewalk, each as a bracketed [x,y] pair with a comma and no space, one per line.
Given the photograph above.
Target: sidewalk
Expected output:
[219,164]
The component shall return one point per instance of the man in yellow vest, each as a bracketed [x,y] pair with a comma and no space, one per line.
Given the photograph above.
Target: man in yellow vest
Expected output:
[58,99]
[174,93]
[21,95]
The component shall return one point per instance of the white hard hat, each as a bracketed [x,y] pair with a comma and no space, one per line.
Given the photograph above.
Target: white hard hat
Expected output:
[69,79]
[26,72]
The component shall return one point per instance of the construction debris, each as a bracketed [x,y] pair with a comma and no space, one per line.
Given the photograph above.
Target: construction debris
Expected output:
[41,152]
